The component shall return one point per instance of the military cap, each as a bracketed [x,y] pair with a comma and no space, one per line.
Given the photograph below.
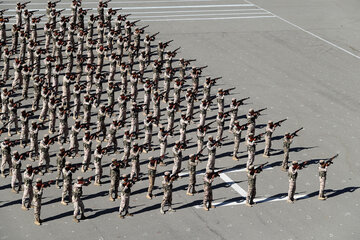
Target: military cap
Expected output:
[151,158]
[62,148]
[68,163]
[136,144]
[220,90]
[113,160]
[270,121]
[287,133]
[210,137]
[233,99]
[15,152]
[167,173]
[191,155]
[251,110]
[28,166]
[251,134]
[251,167]
[294,162]
[79,178]
[125,176]
[322,161]
[177,142]
[46,135]
[38,180]
[87,132]
[7,139]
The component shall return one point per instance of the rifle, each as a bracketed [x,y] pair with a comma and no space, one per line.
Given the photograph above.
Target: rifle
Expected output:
[33,11]
[174,52]
[60,11]
[24,4]
[6,19]
[259,168]
[14,142]
[165,44]
[153,36]
[302,165]
[52,139]
[210,100]
[170,130]
[176,175]
[218,141]
[278,123]
[201,68]
[25,154]
[208,125]
[227,91]
[142,29]
[4,10]
[47,184]
[69,151]
[258,137]
[241,101]
[39,17]
[123,17]
[294,134]
[95,134]
[214,79]
[187,62]
[259,111]
[330,160]
[134,22]
[199,154]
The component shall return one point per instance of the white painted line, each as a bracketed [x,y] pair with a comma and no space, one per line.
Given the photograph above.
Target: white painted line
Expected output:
[195,11]
[235,186]
[198,15]
[201,19]
[256,200]
[308,32]
[117,2]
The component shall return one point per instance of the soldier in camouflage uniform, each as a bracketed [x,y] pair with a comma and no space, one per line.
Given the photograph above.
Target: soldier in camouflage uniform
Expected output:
[101,127]
[251,148]
[200,133]
[288,139]
[63,126]
[322,178]
[192,163]
[28,189]
[209,177]
[60,164]
[24,135]
[112,136]
[67,172]
[44,159]
[270,128]
[114,179]
[167,186]
[34,145]
[74,142]
[38,190]
[236,129]
[135,164]
[148,125]
[98,154]
[152,165]
[87,142]
[76,199]
[178,155]
[251,116]
[6,156]
[251,186]
[292,173]
[125,198]
[162,136]
[127,146]
[16,172]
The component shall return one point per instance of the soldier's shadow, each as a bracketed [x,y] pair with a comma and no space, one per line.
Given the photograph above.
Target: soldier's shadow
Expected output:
[103,212]
[11,203]
[149,208]
[95,195]
[61,215]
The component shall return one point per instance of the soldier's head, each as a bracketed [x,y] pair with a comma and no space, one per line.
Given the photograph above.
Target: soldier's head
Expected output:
[322,162]
[294,163]
[149,116]
[46,137]
[126,132]
[207,80]
[16,154]
[87,133]
[68,165]
[233,100]
[167,175]
[98,147]
[152,160]
[38,182]
[135,145]
[28,167]
[80,179]
[125,177]
[7,140]
[251,169]
[183,115]
[113,160]
[177,143]
[270,123]
[287,134]
[209,173]
[192,157]
[161,127]
[236,123]
[77,123]
[251,136]
[62,149]
[114,121]
[220,114]
[210,138]
[251,110]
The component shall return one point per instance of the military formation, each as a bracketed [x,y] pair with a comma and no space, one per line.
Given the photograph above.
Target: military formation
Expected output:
[58,66]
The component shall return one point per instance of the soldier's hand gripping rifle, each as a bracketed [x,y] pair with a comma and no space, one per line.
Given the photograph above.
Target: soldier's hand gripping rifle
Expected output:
[330,160]
[24,155]
[294,134]
[301,165]
[134,22]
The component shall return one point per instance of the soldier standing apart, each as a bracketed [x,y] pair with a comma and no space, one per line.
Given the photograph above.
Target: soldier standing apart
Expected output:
[16,174]
[192,163]
[167,186]
[208,196]
[125,198]
[114,179]
[77,201]
[67,172]
[152,165]
[251,186]
[38,192]
[322,178]
[270,128]
[28,189]
[292,173]
[288,139]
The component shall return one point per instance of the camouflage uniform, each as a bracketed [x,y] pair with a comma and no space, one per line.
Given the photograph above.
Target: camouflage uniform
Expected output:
[251,188]
[322,178]
[251,147]
[98,167]
[269,131]
[44,156]
[167,199]
[77,201]
[286,144]
[208,195]
[16,174]
[192,163]
[87,153]
[5,158]
[67,184]
[38,192]
[152,175]
[114,180]
[292,173]
[28,189]
[135,165]
[125,199]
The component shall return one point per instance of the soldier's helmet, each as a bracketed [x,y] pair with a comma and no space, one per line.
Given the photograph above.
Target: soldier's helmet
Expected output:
[46,135]
[294,162]
[15,152]
[125,176]
[28,165]
[251,134]
[167,173]
[270,122]
[322,161]
[287,133]
[87,132]
[38,180]
[67,163]
[113,160]
[191,156]
[251,110]
[151,158]
[251,167]
[62,148]
[80,178]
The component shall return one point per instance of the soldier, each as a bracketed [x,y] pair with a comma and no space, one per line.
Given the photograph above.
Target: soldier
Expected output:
[148,125]
[147,92]
[26,75]
[13,116]
[207,88]
[135,165]
[195,74]
[66,89]
[204,106]
[251,186]
[322,178]
[38,190]
[37,93]
[177,151]
[270,128]
[114,179]
[134,129]
[200,134]
[184,122]
[288,139]
[112,136]
[237,129]
[167,186]
[127,146]
[134,79]
[220,120]
[211,146]
[18,77]
[101,122]
[67,172]
[45,93]
[192,163]
[251,116]
[44,154]
[292,173]
[125,198]
[111,96]
[156,67]
[16,174]
[170,117]
[6,156]
[168,78]
[99,88]
[74,142]
[234,106]
[251,148]
[77,101]
[156,107]
[24,135]
[52,114]
[122,100]
[190,98]
[63,126]
[76,199]
[60,163]
[162,136]
[98,154]
[152,165]
[87,108]
[87,142]
[178,86]
[220,96]
[28,189]
[34,145]
[209,177]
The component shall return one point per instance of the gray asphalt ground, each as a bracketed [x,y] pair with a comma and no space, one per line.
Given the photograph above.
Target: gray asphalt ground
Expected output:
[305,69]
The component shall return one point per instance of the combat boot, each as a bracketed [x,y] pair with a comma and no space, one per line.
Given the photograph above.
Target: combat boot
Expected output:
[82,217]
[57,184]
[206,208]
[2,175]
[172,210]
[148,196]
[121,216]
[37,221]
[235,158]
[75,220]
[190,194]
[24,208]
[111,199]
[13,190]
[162,211]
[64,203]
[322,197]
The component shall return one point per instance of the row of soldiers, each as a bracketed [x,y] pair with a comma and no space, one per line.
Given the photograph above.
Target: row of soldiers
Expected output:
[112,44]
